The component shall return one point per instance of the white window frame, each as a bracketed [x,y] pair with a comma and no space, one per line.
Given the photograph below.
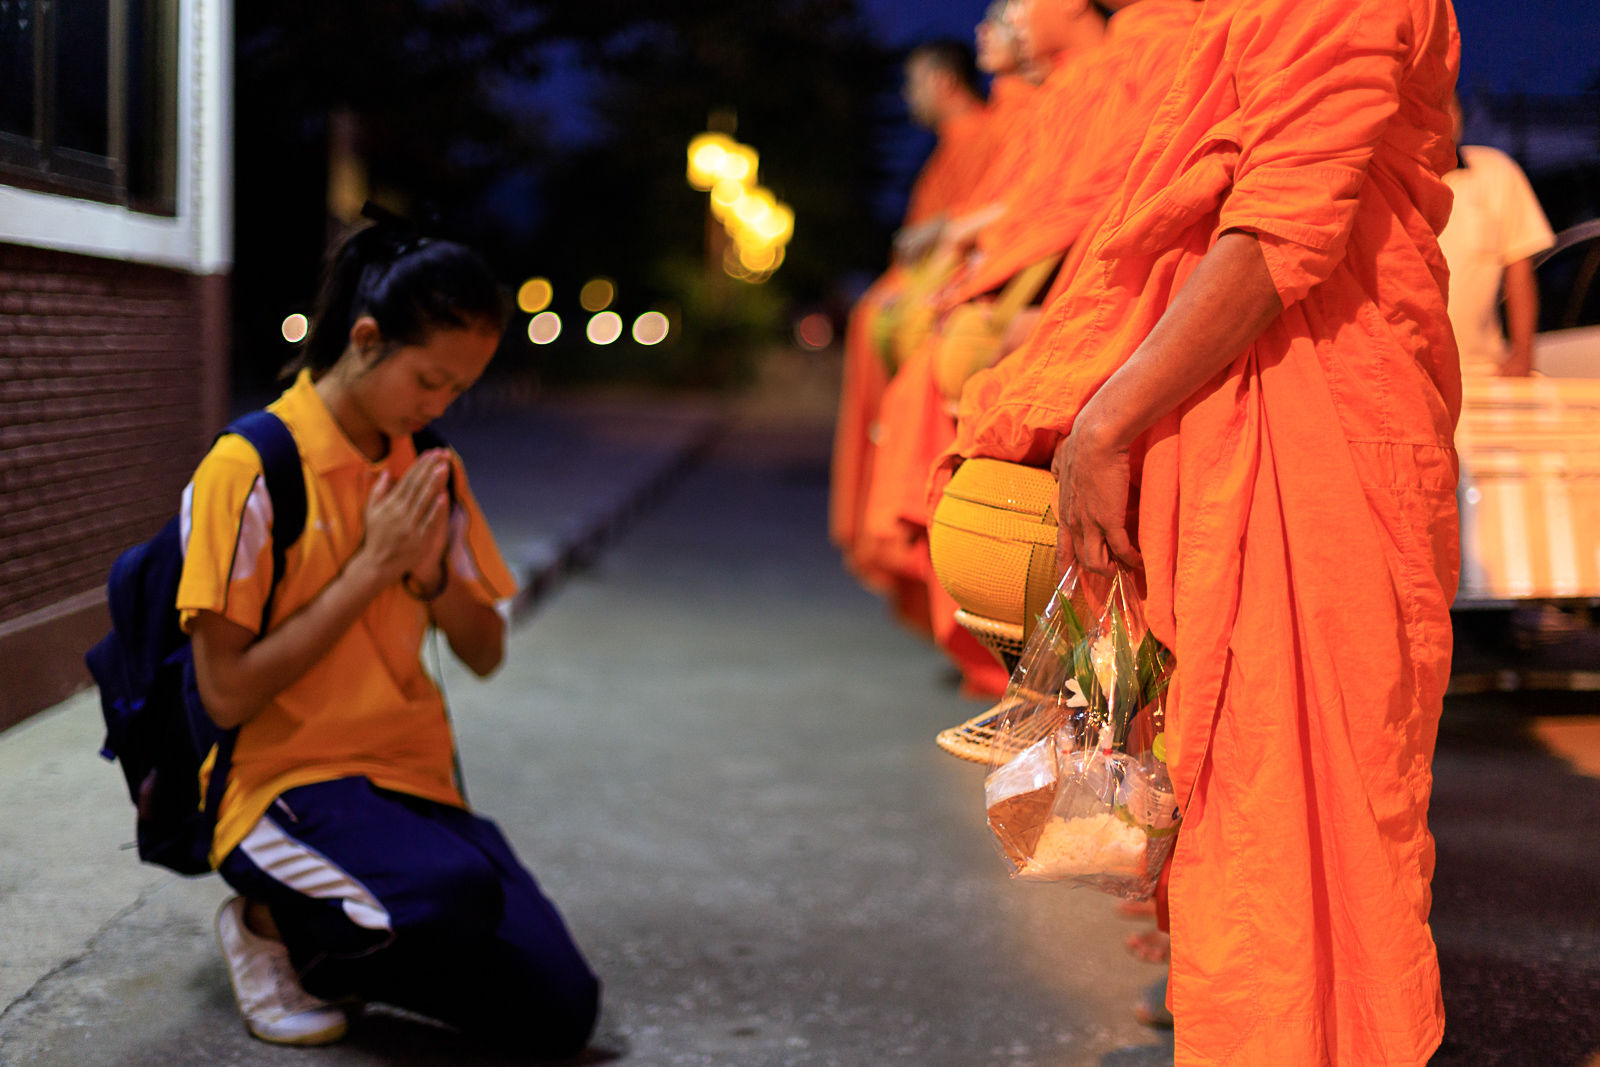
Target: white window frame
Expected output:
[199,237]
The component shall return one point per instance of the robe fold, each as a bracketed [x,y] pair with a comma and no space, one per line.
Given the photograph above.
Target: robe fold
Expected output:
[955,166]
[1296,515]
[1085,129]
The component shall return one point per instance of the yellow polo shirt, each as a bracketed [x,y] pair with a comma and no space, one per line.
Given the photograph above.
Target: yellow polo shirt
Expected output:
[367,707]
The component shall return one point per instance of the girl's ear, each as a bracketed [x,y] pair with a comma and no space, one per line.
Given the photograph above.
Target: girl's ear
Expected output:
[366,338]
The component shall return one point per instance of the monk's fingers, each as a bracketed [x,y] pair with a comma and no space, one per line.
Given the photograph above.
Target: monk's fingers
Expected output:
[1065,556]
[1089,546]
[1121,546]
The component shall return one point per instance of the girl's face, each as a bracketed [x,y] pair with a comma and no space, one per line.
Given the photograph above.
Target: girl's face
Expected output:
[399,392]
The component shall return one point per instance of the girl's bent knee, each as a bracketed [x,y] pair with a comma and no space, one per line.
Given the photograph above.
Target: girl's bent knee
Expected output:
[461,900]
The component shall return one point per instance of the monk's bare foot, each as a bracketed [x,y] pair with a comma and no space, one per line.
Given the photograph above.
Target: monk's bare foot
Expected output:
[1151,1010]
[1137,909]
[1152,946]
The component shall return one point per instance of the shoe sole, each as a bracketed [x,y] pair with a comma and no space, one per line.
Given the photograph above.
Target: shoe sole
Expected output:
[319,1037]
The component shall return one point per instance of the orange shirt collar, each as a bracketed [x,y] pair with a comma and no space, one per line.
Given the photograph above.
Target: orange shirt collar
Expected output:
[323,444]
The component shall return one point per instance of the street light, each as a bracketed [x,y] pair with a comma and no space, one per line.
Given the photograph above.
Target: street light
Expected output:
[752,219]
[707,153]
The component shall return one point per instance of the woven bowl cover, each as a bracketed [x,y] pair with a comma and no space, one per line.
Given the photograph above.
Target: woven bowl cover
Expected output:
[914,327]
[993,542]
[967,344]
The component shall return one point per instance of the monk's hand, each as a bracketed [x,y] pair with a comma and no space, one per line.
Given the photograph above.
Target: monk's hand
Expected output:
[1092,478]
[912,243]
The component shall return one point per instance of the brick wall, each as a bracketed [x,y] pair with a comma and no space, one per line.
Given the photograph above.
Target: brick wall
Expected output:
[104,382]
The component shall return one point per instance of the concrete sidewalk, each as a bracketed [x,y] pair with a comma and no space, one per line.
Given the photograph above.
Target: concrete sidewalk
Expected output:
[558,479]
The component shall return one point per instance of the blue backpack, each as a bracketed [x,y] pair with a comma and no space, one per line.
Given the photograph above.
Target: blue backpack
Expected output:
[156,726]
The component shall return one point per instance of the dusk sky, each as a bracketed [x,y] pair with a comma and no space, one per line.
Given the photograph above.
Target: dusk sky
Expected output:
[1535,46]
[1532,46]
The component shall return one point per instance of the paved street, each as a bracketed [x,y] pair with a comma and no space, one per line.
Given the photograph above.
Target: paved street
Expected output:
[715,753]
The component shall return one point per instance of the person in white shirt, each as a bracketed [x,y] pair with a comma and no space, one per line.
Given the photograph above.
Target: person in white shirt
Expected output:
[1495,228]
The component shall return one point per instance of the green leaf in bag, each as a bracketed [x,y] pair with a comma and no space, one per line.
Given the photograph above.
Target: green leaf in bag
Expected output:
[1152,661]
[1127,693]
[1070,626]
[1088,683]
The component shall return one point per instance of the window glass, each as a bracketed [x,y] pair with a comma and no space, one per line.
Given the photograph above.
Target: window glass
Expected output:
[152,102]
[89,99]
[82,35]
[18,31]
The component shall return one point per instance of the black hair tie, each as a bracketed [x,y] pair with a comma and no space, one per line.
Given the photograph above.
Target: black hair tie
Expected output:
[403,236]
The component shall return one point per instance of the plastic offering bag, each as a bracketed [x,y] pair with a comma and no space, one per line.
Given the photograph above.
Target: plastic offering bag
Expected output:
[1081,793]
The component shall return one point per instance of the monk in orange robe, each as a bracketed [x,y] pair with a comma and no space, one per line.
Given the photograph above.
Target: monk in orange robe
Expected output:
[1250,388]
[940,91]
[1087,140]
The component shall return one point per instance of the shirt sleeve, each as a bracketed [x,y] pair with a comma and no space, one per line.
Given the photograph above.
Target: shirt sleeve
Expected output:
[474,557]
[225,520]
[1524,230]
[1318,81]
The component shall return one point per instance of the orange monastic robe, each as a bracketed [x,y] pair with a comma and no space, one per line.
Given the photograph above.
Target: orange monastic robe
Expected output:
[951,171]
[1026,127]
[956,165]
[1023,113]
[1080,150]
[1296,516]
[1067,182]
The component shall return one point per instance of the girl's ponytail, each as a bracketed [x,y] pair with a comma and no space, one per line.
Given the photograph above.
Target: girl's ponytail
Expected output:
[410,285]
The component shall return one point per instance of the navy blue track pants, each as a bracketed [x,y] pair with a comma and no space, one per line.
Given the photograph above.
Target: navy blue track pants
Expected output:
[388,897]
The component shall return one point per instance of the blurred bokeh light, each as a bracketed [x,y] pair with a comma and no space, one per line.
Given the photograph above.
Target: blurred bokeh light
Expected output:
[295,328]
[605,328]
[651,328]
[814,331]
[535,295]
[597,294]
[544,327]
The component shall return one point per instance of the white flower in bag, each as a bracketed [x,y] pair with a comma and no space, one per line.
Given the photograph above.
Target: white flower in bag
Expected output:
[1076,699]
[1103,657]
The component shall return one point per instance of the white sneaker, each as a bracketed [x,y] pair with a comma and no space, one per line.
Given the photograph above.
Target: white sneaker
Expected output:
[274,1006]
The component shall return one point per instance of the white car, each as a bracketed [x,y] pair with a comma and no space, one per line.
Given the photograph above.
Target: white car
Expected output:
[1530,458]
[1573,349]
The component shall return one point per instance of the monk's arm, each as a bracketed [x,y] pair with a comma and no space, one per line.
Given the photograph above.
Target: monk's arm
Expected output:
[1225,304]
[960,234]
[1522,318]
[911,243]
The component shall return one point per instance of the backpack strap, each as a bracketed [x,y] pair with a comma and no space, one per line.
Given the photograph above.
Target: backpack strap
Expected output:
[286,486]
